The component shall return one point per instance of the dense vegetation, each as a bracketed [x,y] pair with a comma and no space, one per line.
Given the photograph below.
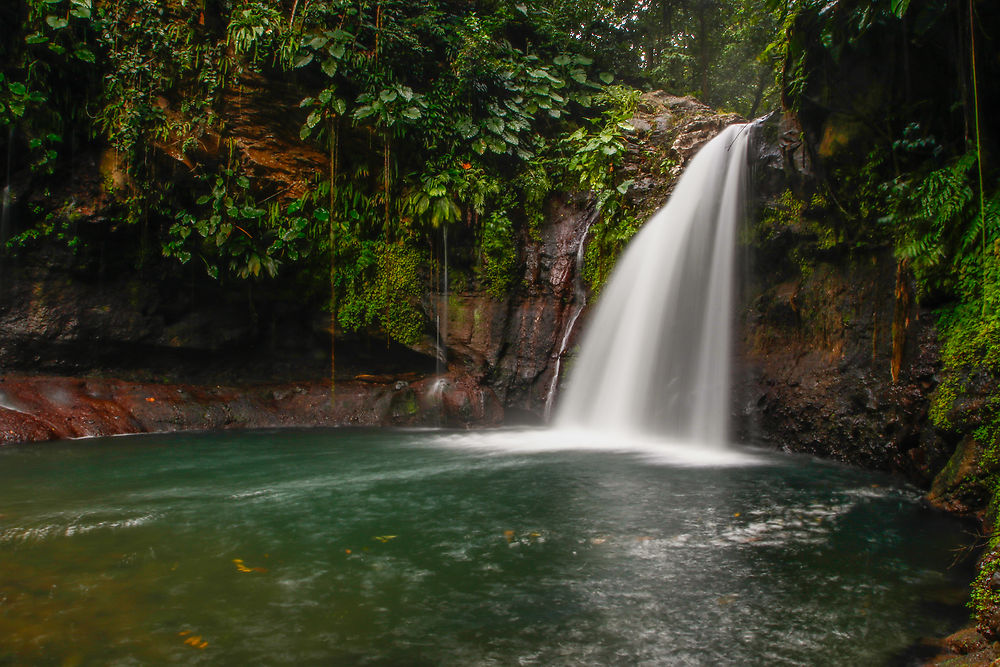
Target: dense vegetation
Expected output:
[412,119]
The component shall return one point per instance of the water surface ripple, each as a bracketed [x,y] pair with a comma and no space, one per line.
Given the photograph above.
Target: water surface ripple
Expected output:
[434,548]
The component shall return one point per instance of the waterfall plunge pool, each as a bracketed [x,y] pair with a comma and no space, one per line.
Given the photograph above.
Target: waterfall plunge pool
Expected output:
[378,547]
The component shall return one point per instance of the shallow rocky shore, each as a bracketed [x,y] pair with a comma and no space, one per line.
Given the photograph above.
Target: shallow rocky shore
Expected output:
[48,408]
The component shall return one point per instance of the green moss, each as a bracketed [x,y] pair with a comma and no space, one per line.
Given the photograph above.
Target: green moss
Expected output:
[390,297]
[499,260]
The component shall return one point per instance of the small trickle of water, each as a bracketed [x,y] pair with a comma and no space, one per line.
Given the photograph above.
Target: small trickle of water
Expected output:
[4,212]
[655,356]
[579,303]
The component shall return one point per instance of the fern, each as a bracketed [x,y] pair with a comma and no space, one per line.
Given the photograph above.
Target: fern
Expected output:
[937,226]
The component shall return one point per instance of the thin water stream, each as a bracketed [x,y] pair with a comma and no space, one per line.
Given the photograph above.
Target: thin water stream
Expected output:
[434,548]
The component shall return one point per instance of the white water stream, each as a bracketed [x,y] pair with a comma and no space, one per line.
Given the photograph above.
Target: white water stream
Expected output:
[655,356]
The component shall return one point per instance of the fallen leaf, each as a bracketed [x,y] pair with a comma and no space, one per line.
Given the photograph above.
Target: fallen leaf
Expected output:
[385,538]
[243,568]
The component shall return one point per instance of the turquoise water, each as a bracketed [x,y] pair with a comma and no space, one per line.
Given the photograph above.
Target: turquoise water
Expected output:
[428,548]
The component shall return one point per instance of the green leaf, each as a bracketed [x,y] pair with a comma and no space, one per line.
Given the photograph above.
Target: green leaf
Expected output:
[562,60]
[578,75]
[318,42]
[243,182]
[899,7]
[313,119]
[607,77]
[56,22]
[388,95]
[325,96]
[467,129]
[303,60]
[336,51]
[521,7]
[496,144]
[412,113]
[202,200]
[85,55]
[330,67]
[36,38]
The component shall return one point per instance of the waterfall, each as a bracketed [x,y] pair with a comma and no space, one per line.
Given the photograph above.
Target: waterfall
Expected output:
[655,354]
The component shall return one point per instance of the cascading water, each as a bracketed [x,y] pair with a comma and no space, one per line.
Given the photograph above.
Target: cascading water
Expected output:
[656,353]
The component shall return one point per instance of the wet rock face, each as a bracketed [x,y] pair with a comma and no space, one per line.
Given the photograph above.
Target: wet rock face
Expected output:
[814,371]
[510,345]
[834,358]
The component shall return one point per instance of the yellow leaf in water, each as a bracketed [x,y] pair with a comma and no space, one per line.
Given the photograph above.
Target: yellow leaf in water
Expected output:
[737,514]
[203,645]
[241,567]
[509,535]
[385,538]
[183,633]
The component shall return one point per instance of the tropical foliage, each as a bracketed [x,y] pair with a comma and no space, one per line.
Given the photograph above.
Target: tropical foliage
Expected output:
[415,117]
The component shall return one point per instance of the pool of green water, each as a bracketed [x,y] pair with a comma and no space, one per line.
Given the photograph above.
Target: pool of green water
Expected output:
[342,547]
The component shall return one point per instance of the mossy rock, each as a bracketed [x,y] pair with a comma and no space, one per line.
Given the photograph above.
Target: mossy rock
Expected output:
[959,487]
